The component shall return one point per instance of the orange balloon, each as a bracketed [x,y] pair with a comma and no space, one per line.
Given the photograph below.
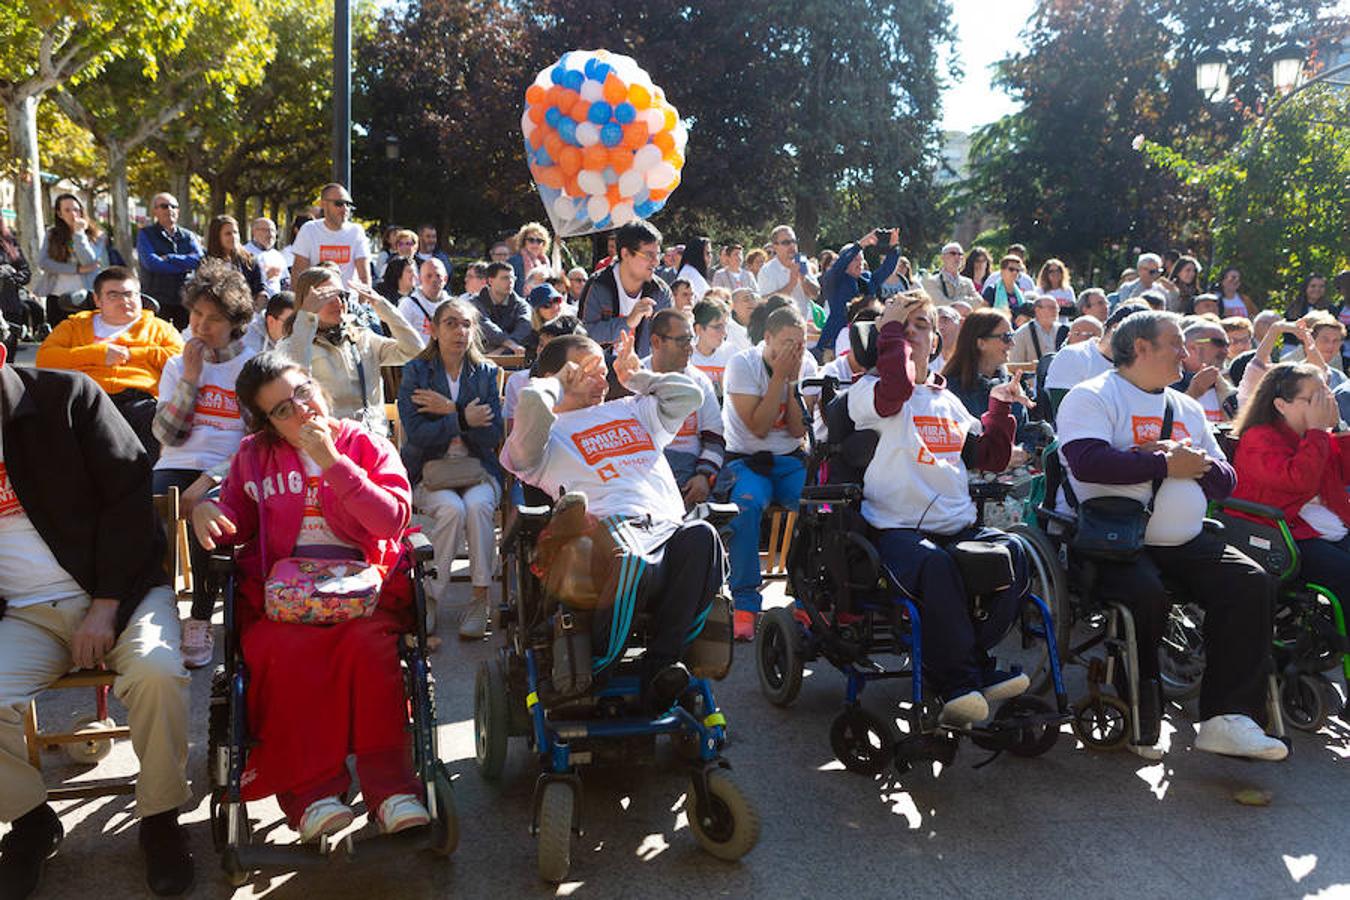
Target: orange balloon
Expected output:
[536,139]
[553,144]
[621,158]
[579,111]
[572,188]
[639,96]
[553,95]
[535,95]
[675,159]
[615,91]
[570,160]
[536,114]
[665,141]
[595,157]
[567,100]
[659,194]
[634,135]
[671,118]
[549,176]
[612,194]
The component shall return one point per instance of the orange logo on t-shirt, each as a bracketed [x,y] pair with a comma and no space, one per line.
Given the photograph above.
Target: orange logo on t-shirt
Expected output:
[939,435]
[926,458]
[689,426]
[338,253]
[217,401]
[312,507]
[607,472]
[9,500]
[621,438]
[714,373]
[1148,428]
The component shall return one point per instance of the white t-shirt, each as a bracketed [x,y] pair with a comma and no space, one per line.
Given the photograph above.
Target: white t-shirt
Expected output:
[747,374]
[314,530]
[916,478]
[626,302]
[1326,523]
[217,428]
[317,243]
[708,416]
[511,392]
[29,572]
[738,338]
[265,258]
[773,277]
[714,365]
[1075,363]
[614,454]
[418,310]
[105,332]
[1111,409]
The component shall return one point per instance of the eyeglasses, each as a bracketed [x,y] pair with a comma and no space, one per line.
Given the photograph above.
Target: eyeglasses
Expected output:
[161,206]
[303,393]
[341,202]
[684,340]
[1006,337]
[534,240]
[649,255]
[457,323]
[120,295]
[406,243]
[787,242]
[1217,342]
[1150,271]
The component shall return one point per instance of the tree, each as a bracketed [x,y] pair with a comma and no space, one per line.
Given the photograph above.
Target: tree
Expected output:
[46,44]
[133,99]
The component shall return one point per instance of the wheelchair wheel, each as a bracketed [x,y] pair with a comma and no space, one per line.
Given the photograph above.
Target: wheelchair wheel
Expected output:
[1023,645]
[778,656]
[491,719]
[862,742]
[555,831]
[446,824]
[1029,738]
[1308,701]
[729,828]
[1102,722]
[1181,658]
[89,751]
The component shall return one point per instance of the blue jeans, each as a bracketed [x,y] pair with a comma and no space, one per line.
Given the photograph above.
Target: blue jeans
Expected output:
[753,493]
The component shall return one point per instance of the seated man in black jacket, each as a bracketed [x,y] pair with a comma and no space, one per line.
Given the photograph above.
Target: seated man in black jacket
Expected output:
[82,581]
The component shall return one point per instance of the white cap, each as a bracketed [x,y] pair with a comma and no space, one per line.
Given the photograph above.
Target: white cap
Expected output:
[947,248]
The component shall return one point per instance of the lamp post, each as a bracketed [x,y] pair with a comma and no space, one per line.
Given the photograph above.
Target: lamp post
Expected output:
[1286,74]
[391,154]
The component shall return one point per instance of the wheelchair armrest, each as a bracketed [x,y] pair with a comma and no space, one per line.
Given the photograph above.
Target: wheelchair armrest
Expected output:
[538,514]
[420,545]
[714,513]
[989,490]
[1260,510]
[831,493]
[1213,526]
[1053,515]
[222,563]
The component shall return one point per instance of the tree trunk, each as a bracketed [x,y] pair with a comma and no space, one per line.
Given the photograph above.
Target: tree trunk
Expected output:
[180,185]
[21,118]
[121,200]
[806,221]
[241,215]
[217,184]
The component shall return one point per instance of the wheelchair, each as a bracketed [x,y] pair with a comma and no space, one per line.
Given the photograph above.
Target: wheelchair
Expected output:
[850,609]
[1101,637]
[228,741]
[517,694]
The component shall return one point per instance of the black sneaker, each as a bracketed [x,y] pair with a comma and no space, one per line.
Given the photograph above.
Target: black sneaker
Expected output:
[667,685]
[168,861]
[25,851]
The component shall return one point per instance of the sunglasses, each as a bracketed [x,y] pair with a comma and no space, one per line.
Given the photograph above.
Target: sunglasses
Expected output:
[161,206]
[349,203]
[1006,337]
[789,242]
[534,240]
[303,393]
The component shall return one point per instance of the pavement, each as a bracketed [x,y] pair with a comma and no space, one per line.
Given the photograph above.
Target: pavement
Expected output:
[1072,823]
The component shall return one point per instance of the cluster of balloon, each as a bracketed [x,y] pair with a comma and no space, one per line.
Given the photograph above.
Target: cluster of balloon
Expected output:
[605,146]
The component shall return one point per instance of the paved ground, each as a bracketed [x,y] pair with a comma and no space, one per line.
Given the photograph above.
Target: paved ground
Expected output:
[1072,823]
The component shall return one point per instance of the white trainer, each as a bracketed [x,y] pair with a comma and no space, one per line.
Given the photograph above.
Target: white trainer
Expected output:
[475,622]
[964,710]
[326,815]
[1005,686]
[401,811]
[1238,735]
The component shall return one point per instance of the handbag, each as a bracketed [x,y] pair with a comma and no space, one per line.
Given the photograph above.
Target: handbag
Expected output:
[314,591]
[456,469]
[1113,528]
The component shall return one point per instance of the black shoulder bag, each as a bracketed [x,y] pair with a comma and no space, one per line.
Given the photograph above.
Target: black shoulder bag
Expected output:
[1113,528]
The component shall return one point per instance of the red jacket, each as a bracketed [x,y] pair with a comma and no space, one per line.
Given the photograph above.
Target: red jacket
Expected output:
[1278,468]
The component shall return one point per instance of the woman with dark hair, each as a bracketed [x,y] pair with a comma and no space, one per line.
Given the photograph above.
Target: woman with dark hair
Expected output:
[696,265]
[451,412]
[15,303]
[222,242]
[1185,277]
[976,365]
[73,252]
[1312,294]
[979,265]
[297,222]
[400,279]
[197,420]
[306,487]
[1288,456]
[1232,302]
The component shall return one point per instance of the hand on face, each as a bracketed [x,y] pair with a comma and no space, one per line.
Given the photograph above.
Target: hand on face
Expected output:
[316,439]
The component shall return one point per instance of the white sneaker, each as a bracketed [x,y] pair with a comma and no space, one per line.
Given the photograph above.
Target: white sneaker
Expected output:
[964,710]
[1004,686]
[324,816]
[475,622]
[401,811]
[1238,735]
[198,645]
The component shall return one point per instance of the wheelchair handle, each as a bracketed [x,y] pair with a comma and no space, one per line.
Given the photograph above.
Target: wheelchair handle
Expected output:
[820,381]
[1260,510]
[831,493]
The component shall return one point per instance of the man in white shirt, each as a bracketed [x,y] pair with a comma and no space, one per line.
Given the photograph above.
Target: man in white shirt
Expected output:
[419,307]
[787,272]
[1116,441]
[565,433]
[764,431]
[695,454]
[744,302]
[276,274]
[333,239]
[475,279]
[948,285]
[1202,371]
[1077,363]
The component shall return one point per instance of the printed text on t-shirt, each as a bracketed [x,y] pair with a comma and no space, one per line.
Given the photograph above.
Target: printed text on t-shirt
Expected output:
[621,438]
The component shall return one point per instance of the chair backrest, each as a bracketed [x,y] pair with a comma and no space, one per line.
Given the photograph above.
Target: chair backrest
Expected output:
[166,506]
[395,424]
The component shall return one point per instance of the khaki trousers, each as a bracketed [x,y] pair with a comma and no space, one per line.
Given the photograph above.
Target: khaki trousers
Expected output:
[35,650]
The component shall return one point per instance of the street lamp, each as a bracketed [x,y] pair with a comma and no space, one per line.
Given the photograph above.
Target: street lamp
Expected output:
[1211,74]
[1286,67]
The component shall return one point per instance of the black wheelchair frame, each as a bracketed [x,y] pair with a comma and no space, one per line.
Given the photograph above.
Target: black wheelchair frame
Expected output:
[228,740]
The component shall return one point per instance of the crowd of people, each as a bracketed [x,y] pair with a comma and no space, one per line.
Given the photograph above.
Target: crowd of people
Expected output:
[259,381]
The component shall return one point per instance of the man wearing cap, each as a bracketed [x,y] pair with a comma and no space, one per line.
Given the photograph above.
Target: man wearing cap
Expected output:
[947,284]
[419,307]
[334,239]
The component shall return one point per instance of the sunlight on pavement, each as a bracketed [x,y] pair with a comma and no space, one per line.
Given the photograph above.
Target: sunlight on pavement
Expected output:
[568,888]
[1300,867]
[1156,778]
[652,846]
[455,740]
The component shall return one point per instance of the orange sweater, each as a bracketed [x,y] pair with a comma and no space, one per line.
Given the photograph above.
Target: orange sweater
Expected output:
[151,341]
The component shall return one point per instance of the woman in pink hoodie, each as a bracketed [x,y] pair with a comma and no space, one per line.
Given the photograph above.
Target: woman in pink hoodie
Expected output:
[305,484]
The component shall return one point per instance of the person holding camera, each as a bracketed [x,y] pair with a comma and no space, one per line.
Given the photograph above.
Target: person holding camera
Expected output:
[787,272]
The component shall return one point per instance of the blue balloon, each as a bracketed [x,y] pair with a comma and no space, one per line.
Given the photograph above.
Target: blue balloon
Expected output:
[552,115]
[567,130]
[645,209]
[549,194]
[611,135]
[602,71]
[604,223]
[589,68]
[624,113]
[657,206]
[557,75]
[573,80]
[610,176]
[542,158]
[599,112]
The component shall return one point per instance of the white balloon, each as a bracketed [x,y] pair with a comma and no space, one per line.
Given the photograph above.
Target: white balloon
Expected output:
[592,91]
[577,59]
[545,78]
[630,183]
[646,157]
[610,176]
[597,208]
[526,123]
[622,213]
[656,120]
[588,133]
[591,182]
[681,135]
[564,208]
[661,176]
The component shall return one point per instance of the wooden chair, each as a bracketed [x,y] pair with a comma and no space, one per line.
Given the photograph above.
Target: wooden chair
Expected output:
[773,562]
[91,739]
[395,424]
